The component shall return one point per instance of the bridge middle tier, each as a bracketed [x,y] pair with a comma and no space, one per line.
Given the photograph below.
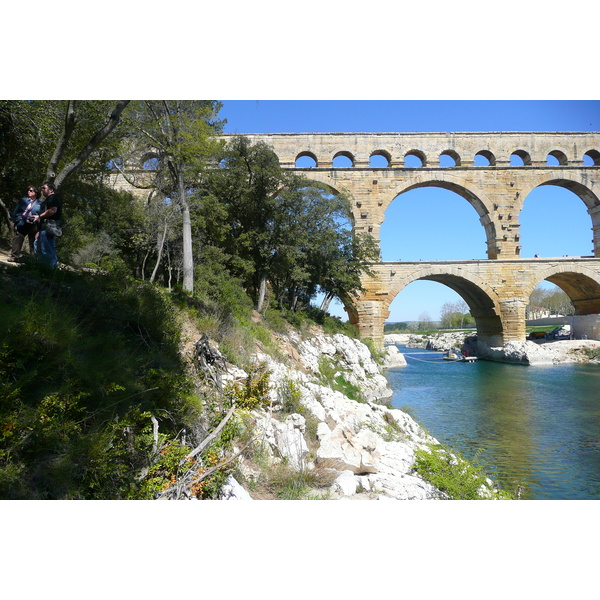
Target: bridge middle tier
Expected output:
[496,291]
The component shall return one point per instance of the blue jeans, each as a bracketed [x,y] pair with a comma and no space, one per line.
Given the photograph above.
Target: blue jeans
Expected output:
[45,249]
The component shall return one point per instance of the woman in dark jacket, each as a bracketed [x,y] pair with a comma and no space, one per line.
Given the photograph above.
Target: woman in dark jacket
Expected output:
[24,222]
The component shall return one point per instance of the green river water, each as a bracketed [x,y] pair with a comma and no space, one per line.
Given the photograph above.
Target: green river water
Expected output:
[533,428]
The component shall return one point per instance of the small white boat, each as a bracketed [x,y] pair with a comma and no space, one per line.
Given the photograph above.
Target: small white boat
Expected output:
[453,354]
[457,356]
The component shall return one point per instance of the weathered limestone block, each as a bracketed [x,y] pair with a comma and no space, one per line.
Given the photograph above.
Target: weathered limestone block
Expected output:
[345,483]
[232,490]
[344,451]
[286,438]
[393,358]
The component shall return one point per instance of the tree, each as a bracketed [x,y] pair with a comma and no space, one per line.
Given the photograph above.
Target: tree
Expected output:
[55,138]
[455,315]
[425,322]
[553,299]
[71,122]
[180,135]
[278,228]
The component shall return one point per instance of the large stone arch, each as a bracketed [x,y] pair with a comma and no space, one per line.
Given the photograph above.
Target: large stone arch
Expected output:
[483,302]
[473,194]
[581,186]
[581,284]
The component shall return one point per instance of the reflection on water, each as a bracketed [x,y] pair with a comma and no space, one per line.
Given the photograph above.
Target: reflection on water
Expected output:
[534,427]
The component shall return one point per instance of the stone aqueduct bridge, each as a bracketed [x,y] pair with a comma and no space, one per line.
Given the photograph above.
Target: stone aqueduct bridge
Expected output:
[497,289]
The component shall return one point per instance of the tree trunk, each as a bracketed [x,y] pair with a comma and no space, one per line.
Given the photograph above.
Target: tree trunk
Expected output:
[326,302]
[262,291]
[188,256]
[68,128]
[160,251]
[170,270]
[6,217]
[294,299]
[96,140]
[143,269]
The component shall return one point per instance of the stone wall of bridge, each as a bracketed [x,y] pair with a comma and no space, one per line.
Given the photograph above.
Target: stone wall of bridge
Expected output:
[496,191]
[497,290]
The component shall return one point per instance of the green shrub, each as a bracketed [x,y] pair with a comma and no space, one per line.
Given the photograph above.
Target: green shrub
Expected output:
[290,396]
[592,353]
[452,475]
[254,392]
[332,377]
[96,356]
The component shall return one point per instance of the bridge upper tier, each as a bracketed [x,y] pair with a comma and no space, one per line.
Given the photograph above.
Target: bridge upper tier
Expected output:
[568,148]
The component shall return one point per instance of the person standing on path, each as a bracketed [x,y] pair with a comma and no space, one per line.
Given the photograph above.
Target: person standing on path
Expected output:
[45,242]
[24,219]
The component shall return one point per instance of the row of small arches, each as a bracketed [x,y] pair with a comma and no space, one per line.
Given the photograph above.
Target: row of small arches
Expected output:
[413,158]
[449,158]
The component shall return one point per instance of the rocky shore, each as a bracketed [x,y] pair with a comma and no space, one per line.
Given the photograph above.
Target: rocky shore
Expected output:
[544,352]
[357,449]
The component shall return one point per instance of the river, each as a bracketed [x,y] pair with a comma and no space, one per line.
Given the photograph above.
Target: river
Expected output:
[536,429]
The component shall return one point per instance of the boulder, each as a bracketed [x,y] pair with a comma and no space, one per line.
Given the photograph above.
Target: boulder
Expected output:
[344,451]
[393,339]
[393,358]
[345,483]
[286,438]
[232,490]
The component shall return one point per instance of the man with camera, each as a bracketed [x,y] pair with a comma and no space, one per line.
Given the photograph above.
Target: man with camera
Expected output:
[50,221]
[25,218]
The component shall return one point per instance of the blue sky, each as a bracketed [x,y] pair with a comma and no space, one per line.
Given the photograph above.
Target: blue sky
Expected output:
[554,221]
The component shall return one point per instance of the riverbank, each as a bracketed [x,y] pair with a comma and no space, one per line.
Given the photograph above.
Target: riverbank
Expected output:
[543,352]
[335,446]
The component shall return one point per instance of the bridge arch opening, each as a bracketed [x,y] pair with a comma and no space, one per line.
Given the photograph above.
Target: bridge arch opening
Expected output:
[449,158]
[484,158]
[591,158]
[380,158]
[554,222]
[556,158]
[429,222]
[306,160]
[582,290]
[150,161]
[548,301]
[520,158]
[415,158]
[343,160]
[425,301]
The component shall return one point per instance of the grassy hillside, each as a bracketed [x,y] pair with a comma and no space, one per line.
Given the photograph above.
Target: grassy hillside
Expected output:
[96,399]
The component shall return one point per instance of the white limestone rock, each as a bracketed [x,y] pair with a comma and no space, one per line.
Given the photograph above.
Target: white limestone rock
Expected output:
[393,339]
[285,438]
[355,361]
[370,445]
[345,483]
[393,358]
[232,490]
[525,353]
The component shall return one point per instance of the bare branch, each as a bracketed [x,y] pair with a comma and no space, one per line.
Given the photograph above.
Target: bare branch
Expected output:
[177,488]
[211,437]
[131,181]
[154,434]
[96,140]
[68,128]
